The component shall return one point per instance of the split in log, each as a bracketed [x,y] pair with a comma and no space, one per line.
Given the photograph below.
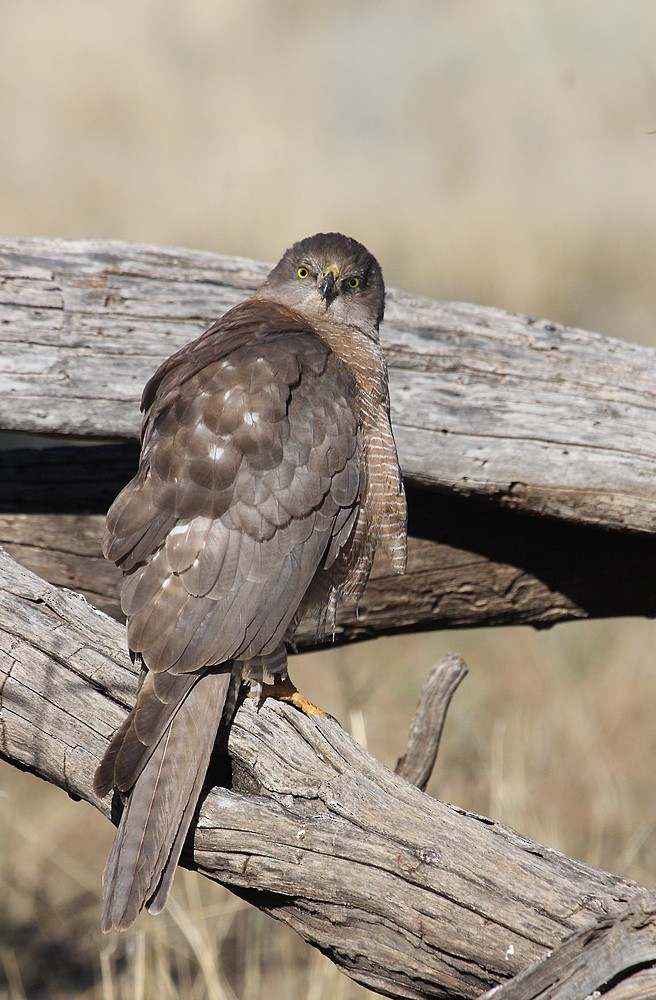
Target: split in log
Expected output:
[617,954]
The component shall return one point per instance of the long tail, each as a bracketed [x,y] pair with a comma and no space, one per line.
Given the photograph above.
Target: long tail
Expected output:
[169,772]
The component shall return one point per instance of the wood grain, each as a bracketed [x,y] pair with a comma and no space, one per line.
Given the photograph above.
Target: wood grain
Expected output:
[471,563]
[529,449]
[534,416]
[408,895]
[615,958]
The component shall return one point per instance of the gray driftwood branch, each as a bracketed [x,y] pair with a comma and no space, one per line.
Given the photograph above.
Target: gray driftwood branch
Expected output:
[417,763]
[538,417]
[407,895]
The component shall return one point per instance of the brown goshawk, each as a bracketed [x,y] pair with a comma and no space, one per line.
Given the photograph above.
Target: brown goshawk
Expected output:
[268,479]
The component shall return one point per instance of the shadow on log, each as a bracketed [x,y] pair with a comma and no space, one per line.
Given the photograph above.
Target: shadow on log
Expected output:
[470,563]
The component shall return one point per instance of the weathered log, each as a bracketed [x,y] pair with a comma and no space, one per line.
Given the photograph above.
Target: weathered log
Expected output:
[312,829]
[65,550]
[500,569]
[534,416]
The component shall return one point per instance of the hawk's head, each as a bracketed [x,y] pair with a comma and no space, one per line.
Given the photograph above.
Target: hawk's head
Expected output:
[329,277]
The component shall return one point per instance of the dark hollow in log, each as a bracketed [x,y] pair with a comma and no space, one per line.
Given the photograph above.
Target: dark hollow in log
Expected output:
[471,563]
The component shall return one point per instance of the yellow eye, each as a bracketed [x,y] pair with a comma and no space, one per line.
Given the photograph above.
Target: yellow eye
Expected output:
[354,282]
[303,272]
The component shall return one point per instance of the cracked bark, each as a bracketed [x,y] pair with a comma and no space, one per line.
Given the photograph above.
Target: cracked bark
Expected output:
[409,896]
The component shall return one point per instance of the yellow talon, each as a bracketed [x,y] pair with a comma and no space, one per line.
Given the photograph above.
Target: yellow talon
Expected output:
[282,689]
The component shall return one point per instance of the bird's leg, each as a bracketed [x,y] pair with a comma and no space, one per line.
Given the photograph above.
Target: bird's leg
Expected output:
[232,696]
[281,687]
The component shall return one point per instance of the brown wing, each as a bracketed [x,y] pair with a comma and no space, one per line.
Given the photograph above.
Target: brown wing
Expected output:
[250,460]
[249,482]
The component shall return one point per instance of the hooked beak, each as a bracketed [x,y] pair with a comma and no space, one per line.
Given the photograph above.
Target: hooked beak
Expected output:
[327,282]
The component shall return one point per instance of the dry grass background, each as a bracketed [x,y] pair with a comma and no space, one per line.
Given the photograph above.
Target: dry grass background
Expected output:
[494,152]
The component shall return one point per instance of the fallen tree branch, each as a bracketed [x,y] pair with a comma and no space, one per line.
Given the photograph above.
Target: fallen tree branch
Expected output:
[409,896]
[531,415]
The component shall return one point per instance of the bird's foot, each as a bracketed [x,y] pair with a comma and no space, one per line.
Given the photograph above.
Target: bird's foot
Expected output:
[282,689]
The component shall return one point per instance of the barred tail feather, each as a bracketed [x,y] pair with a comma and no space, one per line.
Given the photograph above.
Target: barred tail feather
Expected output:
[160,807]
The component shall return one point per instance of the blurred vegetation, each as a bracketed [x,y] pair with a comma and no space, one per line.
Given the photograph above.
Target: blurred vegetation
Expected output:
[495,153]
